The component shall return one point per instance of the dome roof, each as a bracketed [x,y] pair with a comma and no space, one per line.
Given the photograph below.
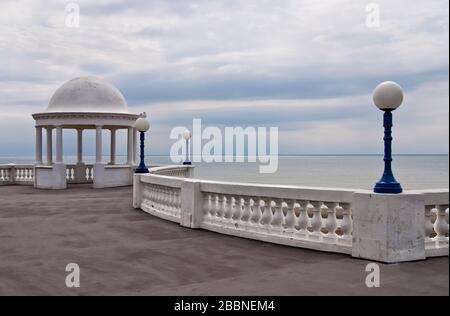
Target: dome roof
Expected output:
[87,94]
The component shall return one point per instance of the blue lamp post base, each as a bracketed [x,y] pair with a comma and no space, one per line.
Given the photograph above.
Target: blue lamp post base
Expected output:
[388,187]
[142,168]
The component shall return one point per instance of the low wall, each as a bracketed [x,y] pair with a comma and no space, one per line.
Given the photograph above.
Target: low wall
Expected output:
[108,176]
[386,228]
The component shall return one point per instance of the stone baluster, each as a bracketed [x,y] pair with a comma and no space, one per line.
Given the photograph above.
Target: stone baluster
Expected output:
[291,219]
[277,221]
[256,212]
[175,199]
[316,221]
[331,222]
[158,198]
[155,193]
[148,194]
[237,214]
[267,214]
[228,213]
[206,205]
[303,218]
[221,205]
[247,211]
[213,209]
[347,222]
[170,201]
[178,201]
[440,225]
[166,199]
[429,229]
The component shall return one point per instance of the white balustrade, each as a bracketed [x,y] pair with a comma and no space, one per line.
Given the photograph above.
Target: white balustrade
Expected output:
[278,220]
[16,174]
[436,222]
[313,218]
[80,173]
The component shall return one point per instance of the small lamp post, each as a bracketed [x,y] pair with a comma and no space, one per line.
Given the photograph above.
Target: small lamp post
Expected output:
[187,135]
[388,96]
[142,125]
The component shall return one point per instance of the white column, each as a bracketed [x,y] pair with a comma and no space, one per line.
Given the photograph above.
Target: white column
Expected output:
[134,145]
[39,145]
[130,146]
[79,146]
[113,146]
[98,151]
[59,144]
[49,146]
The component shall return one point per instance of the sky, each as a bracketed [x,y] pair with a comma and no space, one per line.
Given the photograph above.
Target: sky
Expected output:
[307,67]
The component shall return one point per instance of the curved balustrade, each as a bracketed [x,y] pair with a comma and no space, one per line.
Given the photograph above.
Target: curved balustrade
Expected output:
[162,197]
[313,218]
[303,217]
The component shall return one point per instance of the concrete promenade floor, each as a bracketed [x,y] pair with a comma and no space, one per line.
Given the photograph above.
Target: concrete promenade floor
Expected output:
[123,251]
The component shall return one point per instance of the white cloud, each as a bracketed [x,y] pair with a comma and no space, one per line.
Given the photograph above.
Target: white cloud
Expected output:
[266,60]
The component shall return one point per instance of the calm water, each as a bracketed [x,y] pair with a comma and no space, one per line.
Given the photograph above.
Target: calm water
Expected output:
[414,172]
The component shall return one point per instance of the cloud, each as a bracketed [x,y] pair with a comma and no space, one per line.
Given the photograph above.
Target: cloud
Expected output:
[306,66]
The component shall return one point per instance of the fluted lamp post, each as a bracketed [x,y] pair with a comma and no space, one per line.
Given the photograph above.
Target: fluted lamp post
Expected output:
[142,125]
[388,96]
[187,135]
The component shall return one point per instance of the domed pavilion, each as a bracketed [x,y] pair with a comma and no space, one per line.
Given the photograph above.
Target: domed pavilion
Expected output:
[85,103]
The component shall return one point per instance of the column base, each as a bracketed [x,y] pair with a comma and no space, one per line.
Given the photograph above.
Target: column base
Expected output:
[51,177]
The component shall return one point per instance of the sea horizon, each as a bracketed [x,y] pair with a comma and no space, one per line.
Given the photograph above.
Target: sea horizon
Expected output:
[354,171]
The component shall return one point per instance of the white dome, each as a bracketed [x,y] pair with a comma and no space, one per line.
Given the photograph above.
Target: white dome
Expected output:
[87,94]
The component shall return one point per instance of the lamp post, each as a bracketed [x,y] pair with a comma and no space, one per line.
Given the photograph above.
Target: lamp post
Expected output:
[187,135]
[388,96]
[142,125]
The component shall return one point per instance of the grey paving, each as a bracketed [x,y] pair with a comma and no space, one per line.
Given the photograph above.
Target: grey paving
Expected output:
[123,251]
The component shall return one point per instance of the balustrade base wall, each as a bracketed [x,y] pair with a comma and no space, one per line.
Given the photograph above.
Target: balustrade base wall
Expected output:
[386,228]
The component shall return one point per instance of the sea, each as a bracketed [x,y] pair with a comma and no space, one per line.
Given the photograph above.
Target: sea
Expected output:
[332,171]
